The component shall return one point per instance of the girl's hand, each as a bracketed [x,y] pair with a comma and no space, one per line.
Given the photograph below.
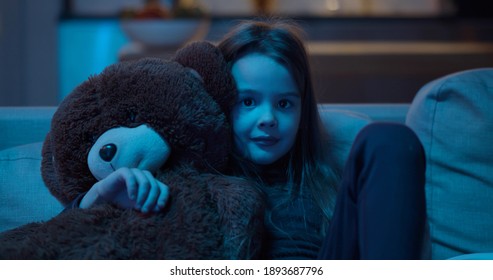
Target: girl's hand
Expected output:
[128,188]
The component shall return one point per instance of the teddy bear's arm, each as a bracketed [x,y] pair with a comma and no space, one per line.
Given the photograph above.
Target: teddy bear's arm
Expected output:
[241,208]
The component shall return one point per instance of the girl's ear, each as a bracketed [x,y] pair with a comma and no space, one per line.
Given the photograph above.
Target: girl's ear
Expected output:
[207,60]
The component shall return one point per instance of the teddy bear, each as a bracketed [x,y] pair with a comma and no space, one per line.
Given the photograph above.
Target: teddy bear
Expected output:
[172,112]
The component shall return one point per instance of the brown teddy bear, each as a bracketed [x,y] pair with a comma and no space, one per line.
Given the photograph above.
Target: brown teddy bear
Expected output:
[182,106]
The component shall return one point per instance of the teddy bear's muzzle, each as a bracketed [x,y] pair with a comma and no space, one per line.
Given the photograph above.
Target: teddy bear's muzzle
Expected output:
[139,147]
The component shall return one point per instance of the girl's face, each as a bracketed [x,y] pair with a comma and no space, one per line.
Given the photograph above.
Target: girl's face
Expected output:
[267,113]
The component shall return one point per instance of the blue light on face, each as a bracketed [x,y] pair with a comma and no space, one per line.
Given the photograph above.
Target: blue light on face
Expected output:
[86,47]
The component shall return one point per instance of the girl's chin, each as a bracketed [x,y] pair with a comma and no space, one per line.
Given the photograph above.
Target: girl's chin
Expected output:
[261,156]
[264,159]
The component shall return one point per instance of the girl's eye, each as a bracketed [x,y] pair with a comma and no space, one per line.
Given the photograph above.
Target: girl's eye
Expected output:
[284,104]
[247,102]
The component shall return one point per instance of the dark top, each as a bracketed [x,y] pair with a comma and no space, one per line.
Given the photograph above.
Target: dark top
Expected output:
[293,225]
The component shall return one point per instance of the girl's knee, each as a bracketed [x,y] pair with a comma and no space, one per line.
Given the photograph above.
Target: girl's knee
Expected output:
[391,138]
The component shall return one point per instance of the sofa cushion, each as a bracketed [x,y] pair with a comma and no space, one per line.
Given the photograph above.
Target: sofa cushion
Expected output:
[453,117]
[23,196]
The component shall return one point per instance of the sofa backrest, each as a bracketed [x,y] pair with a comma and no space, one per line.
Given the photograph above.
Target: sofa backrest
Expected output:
[24,197]
[24,125]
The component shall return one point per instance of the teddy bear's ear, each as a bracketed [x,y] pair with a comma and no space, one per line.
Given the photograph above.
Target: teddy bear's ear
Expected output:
[207,60]
[195,73]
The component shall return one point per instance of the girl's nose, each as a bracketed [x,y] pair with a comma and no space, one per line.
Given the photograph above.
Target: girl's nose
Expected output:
[267,119]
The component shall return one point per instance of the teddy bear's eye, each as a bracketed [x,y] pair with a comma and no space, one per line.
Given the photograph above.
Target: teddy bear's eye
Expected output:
[91,138]
[132,116]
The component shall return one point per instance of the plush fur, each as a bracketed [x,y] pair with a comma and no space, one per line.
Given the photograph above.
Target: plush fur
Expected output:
[208,216]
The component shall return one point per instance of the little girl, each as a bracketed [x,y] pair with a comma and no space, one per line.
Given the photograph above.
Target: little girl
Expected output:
[379,211]
[373,208]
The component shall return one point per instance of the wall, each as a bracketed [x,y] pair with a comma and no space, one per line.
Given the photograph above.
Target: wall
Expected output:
[32,75]
[28,52]
[287,7]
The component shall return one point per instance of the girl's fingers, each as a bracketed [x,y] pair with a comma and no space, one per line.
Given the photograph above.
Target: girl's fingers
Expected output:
[135,188]
[131,182]
[118,181]
[153,193]
[163,196]
[143,188]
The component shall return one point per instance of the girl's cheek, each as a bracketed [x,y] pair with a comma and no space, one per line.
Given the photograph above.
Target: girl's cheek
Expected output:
[244,121]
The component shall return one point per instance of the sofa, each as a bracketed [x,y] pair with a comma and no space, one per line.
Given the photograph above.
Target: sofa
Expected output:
[452,116]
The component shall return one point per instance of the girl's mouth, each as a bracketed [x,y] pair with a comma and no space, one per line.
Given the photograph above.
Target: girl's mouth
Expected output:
[265,140]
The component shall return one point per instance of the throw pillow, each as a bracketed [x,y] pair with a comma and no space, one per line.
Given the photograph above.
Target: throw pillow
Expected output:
[453,117]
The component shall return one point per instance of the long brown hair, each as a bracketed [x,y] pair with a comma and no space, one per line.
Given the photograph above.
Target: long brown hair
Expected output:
[310,167]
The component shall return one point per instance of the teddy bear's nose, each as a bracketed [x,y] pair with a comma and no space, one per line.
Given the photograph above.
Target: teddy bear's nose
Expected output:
[107,152]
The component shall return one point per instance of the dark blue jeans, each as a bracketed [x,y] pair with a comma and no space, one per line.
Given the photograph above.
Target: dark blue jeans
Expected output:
[380,211]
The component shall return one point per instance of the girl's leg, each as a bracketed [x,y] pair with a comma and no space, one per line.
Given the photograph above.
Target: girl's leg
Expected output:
[381,210]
